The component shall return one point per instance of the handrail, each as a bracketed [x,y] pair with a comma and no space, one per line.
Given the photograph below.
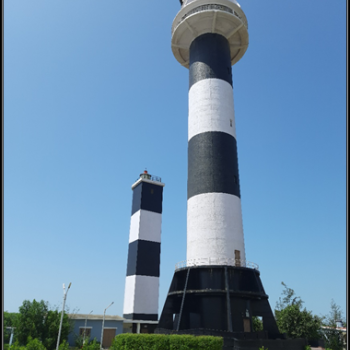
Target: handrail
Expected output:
[216,261]
[156,178]
[208,7]
[150,177]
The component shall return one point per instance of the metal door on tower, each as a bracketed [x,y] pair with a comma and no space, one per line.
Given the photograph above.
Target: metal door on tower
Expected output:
[246,325]
[237,258]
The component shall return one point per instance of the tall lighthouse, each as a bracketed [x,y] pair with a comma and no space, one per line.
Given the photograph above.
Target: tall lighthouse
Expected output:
[216,290]
[208,37]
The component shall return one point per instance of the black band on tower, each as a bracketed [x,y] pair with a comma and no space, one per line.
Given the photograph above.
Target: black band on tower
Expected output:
[210,58]
[212,164]
[144,317]
[147,196]
[143,258]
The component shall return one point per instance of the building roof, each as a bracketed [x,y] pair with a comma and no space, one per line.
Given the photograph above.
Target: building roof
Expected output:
[95,317]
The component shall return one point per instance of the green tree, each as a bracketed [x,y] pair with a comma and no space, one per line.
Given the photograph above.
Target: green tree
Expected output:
[334,338]
[293,320]
[31,321]
[9,321]
[298,323]
[288,299]
[64,345]
[16,346]
[52,325]
[257,324]
[37,321]
[34,344]
[334,315]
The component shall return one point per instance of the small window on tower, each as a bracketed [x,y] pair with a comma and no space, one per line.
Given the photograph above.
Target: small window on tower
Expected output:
[151,190]
[231,122]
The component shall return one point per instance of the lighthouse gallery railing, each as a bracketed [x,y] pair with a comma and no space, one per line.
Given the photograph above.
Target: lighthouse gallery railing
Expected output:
[216,261]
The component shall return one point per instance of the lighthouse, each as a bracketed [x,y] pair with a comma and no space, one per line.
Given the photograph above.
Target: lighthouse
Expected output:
[215,291]
[208,37]
[143,265]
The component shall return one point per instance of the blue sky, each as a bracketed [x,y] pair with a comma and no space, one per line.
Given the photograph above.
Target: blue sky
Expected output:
[93,96]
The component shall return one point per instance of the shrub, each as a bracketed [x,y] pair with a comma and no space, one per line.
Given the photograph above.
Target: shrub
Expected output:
[140,342]
[307,347]
[64,345]
[333,339]
[182,342]
[118,342]
[210,343]
[91,345]
[165,342]
[16,346]
[78,341]
[34,344]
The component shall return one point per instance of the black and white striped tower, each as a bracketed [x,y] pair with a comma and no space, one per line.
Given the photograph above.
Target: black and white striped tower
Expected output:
[142,275]
[214,218]
[216,289]
[208,37]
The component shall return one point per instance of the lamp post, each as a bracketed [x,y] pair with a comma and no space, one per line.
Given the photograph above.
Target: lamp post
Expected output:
[11,337]
[103,322]
[64,303]
[85,327]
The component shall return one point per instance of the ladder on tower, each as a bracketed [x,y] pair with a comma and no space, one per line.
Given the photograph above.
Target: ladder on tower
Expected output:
[183,299]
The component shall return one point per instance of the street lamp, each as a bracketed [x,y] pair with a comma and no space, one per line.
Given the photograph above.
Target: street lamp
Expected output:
[85,327]
[11,337]
[64,303]
[103,322]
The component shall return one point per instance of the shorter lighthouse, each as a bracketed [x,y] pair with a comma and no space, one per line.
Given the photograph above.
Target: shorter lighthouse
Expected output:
[142,273]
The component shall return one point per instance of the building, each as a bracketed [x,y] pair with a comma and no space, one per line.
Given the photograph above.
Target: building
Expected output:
[92,325]
[113,325]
